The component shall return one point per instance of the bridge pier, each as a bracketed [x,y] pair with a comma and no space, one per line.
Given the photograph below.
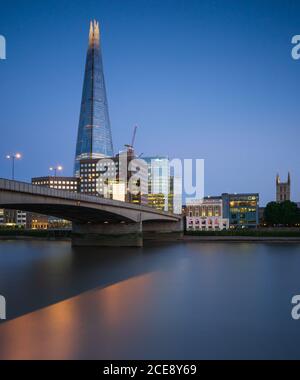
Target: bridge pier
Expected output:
[107,234]
[125,234]
[162,231]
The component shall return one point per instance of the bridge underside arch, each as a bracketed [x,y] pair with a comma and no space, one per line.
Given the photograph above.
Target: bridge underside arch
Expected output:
[79,214]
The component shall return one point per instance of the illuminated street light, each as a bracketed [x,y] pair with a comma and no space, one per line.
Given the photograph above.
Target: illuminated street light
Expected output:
[13,157]
[56,169]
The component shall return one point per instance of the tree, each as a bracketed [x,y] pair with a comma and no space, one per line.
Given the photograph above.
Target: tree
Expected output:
[286,213]
[272,213]
[289,213]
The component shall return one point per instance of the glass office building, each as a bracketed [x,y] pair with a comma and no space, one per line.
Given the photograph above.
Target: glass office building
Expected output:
[241,209]
[162,185]
[113,177]
[94,138]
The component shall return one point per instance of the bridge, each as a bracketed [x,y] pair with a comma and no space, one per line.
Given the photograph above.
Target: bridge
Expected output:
[95,220]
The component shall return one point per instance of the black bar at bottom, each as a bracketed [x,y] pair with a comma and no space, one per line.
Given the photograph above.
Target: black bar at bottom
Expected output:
[95,369]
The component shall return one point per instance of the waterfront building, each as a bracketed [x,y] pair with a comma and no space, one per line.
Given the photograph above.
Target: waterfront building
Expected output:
[61,183]
[283,189]
[88,174]
[130,181]
[162,185]
[39,221]
[94,139]
[112,177]
[13,218]
[241,209]
[21,218]
[205,215]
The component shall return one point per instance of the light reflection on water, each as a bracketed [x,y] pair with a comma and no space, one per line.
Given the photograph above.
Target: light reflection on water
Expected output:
[184,301]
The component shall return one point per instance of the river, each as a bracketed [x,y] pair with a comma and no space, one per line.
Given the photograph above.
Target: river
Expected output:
[186,300]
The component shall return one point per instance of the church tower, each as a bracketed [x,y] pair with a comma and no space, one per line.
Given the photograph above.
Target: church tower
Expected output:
[283,189]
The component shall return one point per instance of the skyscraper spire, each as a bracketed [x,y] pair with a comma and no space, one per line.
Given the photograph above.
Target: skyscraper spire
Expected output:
[94,138]
[91,34]
[94,34]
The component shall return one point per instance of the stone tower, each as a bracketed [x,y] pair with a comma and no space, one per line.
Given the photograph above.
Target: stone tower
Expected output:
[283,189]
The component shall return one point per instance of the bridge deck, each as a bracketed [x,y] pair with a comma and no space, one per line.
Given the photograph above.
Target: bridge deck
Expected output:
[27,188]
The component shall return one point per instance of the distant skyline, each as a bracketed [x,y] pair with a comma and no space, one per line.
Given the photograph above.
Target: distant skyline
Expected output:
[202,79]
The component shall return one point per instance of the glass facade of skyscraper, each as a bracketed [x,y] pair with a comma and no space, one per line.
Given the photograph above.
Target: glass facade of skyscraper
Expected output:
[94,138]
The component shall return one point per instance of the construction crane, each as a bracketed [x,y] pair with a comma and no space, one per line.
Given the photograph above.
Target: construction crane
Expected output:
[130,146]
[133,136]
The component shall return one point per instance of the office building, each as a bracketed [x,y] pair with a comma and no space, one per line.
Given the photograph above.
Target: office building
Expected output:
[205,215]
[61,183]
[13,218]
[114,178]
[94,138]
[163,193]
[39,221]
[241,210]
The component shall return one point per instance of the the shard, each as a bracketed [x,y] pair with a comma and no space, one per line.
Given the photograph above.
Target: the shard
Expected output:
[94,138]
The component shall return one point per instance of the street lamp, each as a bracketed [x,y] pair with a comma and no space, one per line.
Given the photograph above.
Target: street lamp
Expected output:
[55,169]
[13,157]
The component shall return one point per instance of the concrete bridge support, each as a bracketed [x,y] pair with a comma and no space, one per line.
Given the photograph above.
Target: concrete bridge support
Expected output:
[107,234]
[162,231]
[125,234]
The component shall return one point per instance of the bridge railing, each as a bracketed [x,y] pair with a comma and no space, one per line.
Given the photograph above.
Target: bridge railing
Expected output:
[24,187]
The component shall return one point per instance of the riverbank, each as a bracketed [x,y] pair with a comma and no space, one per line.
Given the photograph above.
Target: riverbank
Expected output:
[22,234]
[32,238]
[257,232]
[239,239]
[200,239]
[272,235]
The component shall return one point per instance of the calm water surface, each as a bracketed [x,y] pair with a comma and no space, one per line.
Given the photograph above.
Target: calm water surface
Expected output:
[185,300]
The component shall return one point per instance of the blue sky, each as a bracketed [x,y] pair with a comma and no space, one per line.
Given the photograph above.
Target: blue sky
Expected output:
[203,79]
